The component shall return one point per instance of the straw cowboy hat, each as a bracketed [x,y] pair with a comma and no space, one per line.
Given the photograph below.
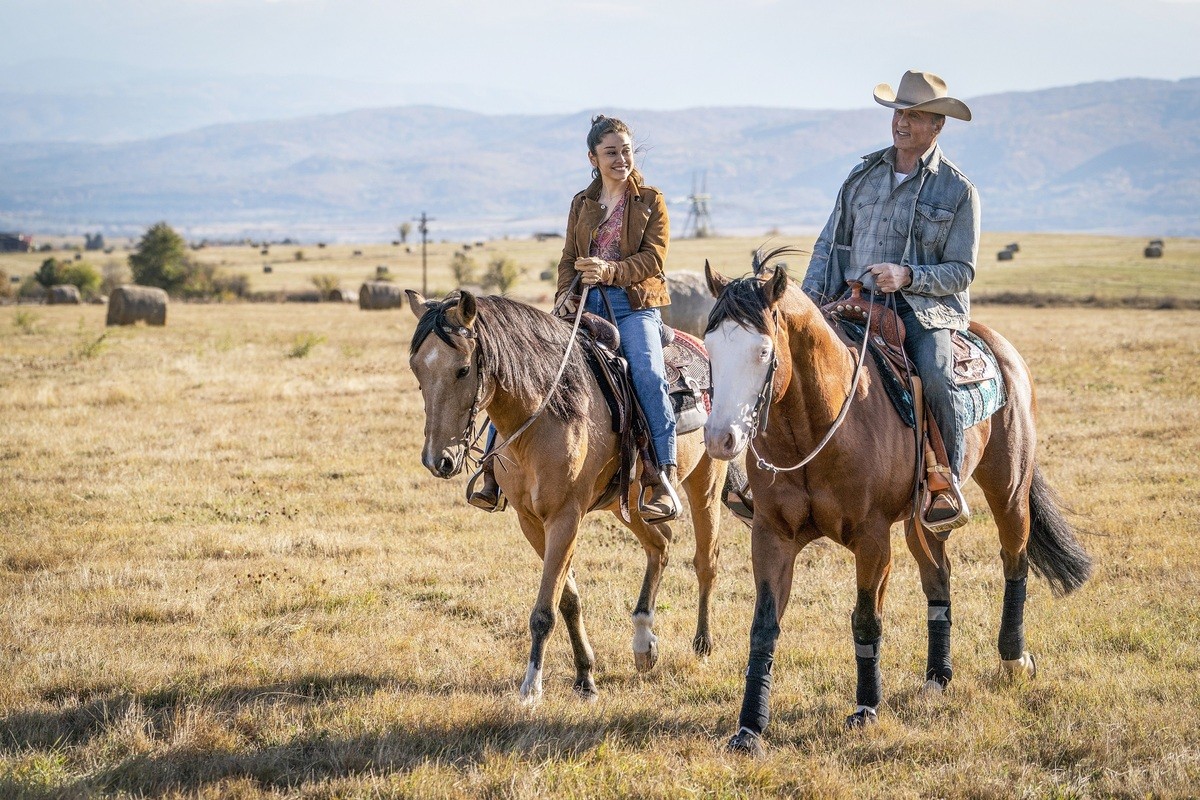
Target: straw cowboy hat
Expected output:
[922,91]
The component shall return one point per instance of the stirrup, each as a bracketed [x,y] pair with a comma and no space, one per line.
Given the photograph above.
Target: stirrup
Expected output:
[941,528]
[671,514]
[483,501]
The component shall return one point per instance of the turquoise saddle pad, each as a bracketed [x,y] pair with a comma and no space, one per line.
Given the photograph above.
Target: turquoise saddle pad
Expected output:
[973,402]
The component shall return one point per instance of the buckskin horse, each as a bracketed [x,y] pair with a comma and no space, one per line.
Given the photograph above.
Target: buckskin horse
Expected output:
[501,356]
[862,481]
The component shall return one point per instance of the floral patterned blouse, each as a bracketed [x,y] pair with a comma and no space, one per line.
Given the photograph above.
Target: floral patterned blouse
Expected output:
[606,241]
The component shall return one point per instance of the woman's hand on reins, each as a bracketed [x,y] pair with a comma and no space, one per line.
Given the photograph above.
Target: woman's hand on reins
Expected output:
[594,270]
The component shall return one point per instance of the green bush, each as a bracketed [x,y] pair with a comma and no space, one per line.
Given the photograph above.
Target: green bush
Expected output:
[464,268]
[50,273]
[326,285]
[82,275]
[204,281]
[31,289]
[6,289]
[161,259]
[304,343]
[116,273]
[502,274]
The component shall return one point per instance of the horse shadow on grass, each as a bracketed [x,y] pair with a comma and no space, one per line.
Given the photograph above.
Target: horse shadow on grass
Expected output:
[308,757]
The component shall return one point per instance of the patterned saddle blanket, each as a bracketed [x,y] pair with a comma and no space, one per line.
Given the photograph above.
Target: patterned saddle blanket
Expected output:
[979,387]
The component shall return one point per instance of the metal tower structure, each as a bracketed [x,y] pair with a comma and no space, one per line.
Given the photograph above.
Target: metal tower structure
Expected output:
[699,223]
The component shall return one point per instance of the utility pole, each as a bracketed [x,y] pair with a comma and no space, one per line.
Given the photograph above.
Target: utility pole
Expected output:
[424,229]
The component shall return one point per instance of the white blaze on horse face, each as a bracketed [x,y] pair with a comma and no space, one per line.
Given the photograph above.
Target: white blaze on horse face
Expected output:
[449,393]
[740,360]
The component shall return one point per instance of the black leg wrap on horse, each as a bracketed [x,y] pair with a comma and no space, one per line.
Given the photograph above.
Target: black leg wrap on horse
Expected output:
[756,711]
[937,659]
[870,683]
[764,633]
[1012,620]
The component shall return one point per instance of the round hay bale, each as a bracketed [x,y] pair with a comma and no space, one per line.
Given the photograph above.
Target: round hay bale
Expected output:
[64,294]
[343,296]
[1014,247]
[131,303]
[380,295]
[1152,251]
[1154,242]
[690,302]
[1004,255]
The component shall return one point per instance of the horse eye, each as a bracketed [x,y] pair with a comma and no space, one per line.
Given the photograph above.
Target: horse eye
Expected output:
[462,371]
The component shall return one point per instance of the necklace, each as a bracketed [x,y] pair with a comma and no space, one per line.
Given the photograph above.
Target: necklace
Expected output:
[612,200]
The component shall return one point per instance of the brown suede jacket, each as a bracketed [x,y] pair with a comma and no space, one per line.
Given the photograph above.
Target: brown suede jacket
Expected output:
[645,234]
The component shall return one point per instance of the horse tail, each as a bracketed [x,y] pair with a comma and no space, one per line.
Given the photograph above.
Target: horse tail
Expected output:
[1054,551]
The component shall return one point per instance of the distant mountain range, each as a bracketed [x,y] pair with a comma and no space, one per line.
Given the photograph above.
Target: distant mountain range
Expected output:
[1120,157]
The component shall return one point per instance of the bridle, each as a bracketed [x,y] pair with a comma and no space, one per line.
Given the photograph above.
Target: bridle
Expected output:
[762,406]
[471,433]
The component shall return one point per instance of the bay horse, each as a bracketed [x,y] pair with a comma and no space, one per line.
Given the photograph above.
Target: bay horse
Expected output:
[862,482]
[501,356]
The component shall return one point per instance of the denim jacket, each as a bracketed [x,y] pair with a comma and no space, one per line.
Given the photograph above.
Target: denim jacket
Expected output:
[942,248]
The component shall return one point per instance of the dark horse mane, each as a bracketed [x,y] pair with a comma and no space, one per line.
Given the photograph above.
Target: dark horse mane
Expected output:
[743,299]
[520,347]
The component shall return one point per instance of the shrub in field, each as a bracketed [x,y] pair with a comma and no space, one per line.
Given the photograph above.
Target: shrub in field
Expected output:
[83,276]
[160,259]
[90,348]
[79,274]
[25,322]
[31,289]
[502,274]
[304,343]
[206,281]
[115,274]
[6,289]
[49,273]
[464,268]
[327,285]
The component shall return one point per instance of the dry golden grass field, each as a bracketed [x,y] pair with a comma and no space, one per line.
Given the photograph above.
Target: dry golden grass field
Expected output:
[225,573]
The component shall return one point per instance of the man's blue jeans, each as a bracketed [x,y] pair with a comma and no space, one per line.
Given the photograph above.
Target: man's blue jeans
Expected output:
[641,344]
[933,357]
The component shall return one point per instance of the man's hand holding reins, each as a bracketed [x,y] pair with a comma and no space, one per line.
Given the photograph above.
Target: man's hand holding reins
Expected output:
[890,277]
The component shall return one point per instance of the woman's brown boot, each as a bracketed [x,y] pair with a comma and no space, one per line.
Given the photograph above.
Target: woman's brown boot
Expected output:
[488,496]
[663,503]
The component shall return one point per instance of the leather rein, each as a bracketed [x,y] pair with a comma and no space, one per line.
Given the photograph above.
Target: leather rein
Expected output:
[762,406]
[471,436]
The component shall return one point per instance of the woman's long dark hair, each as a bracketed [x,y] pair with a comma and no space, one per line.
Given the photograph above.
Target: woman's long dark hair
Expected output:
[602,126]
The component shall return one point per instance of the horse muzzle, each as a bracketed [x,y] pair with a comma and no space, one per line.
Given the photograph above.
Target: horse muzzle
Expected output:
[724,442]
[446,463]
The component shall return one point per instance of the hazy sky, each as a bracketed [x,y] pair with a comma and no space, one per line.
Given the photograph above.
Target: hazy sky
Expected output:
[568,55]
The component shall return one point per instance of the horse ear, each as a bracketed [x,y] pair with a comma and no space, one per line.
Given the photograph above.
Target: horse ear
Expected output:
[716,281]
[776,285]
[467,308]
[416,301]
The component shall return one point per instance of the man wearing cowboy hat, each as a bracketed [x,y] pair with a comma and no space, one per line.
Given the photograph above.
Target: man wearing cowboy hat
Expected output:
[906,221]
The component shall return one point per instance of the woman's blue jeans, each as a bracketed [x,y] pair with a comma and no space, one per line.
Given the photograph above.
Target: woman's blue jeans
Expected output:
[641,344]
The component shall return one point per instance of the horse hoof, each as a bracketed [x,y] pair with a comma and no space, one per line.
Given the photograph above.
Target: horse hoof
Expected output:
[863,718]
[746,742]
[702,646]
[932,689]
[646,661]
[1019,669]
[586,691]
